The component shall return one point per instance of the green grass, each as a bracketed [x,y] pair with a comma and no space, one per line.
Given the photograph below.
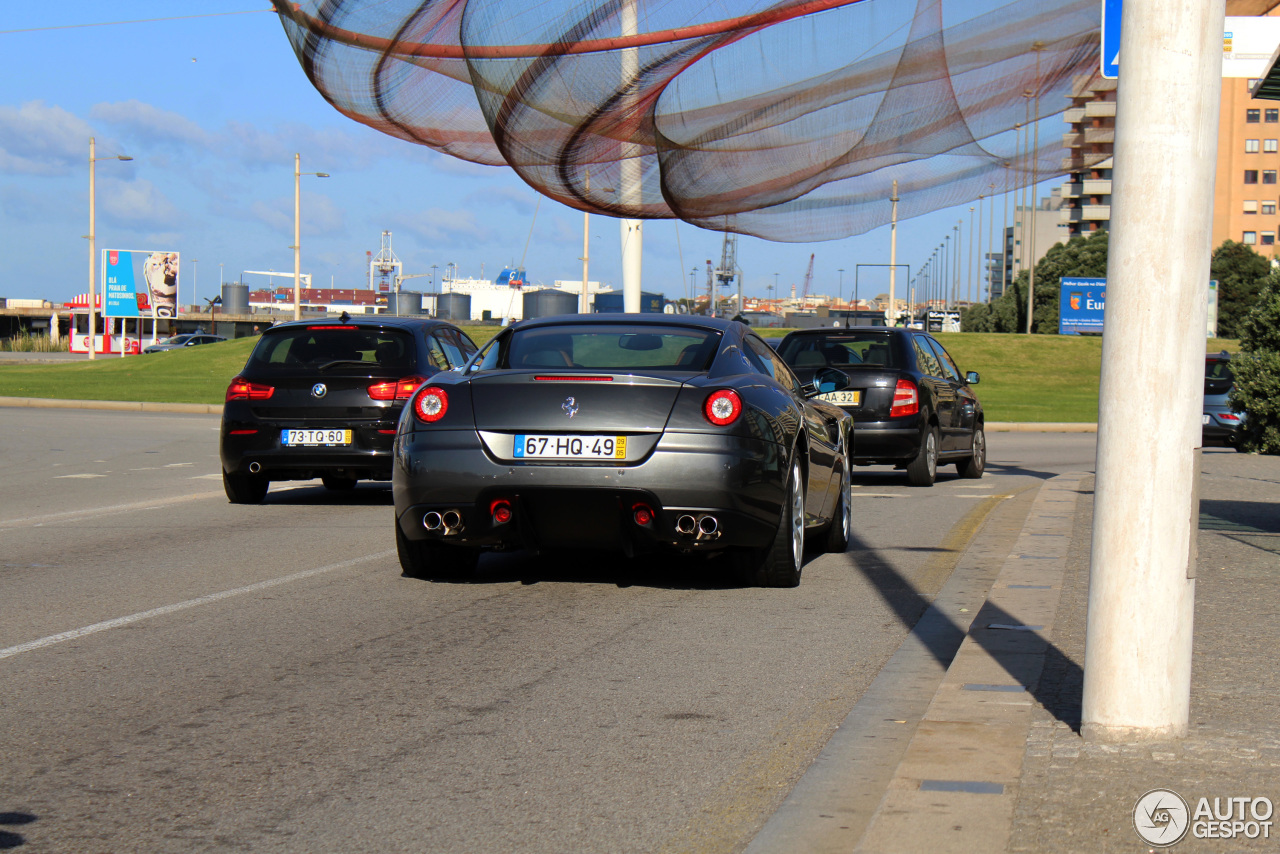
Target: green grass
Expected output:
[1024,378]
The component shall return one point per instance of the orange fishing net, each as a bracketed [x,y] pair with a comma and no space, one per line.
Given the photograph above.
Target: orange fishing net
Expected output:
[786,120]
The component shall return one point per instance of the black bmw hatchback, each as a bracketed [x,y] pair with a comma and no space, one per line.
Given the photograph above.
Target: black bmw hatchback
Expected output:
[912,407]
[321,398]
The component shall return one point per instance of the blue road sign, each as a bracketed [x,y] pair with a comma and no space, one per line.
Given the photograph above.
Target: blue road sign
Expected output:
[1111,39]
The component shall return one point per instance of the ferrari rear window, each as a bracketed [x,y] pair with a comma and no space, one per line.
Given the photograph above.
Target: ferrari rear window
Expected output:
[332,349]
[839,350]
[612,347]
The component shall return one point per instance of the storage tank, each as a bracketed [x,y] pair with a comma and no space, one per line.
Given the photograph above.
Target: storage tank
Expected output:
[548,302]
[456,307]
[235,298]
[404,303]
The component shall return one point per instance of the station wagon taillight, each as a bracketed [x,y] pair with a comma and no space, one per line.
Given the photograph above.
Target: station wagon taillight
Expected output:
[722,407]
[431,405]
[402,389]
[906,399]
[242,389]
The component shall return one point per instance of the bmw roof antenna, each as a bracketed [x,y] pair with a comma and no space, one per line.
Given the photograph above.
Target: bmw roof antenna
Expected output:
[344,317]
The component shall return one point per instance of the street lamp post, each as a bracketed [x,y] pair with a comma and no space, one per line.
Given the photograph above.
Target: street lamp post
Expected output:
[297,232]
[93,249]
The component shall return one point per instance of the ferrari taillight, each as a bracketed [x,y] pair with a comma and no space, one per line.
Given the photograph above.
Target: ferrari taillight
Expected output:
[722,407]
[431,404]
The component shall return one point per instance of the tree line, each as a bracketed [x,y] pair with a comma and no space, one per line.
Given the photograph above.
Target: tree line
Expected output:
[1241,274]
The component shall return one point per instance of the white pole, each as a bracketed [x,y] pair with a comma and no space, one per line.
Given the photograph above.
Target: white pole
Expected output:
[297,237]
[585,307]
[1137,674]
[630,175]
[93,268]
[892,315]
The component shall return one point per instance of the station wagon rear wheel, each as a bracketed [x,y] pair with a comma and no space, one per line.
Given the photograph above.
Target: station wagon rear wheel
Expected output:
[923,470]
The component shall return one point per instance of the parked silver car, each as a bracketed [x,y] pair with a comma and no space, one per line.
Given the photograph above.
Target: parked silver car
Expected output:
[177,342]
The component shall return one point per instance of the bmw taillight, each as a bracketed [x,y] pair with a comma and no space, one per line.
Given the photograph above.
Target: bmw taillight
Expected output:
[906,399]
[722,407]
[402,389]
[242,389]
[431,404]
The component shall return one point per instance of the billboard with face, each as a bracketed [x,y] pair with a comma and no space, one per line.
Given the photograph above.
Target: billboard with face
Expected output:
[139,283]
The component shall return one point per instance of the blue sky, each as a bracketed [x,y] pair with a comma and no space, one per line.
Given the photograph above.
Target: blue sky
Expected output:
[212,109]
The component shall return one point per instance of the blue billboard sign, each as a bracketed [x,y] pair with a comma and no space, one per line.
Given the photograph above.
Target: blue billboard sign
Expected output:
[1081,305]
[1111,39]
[139,284]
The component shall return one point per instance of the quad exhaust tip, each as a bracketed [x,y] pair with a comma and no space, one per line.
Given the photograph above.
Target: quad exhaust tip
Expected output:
[432,521]
[686,525]
[255,467]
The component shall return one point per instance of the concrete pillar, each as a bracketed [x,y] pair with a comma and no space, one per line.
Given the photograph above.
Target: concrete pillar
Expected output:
[631,175]
[1137,675]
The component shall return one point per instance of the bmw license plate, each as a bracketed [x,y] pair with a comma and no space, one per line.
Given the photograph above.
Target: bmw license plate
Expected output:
[297,438]
[530,447]
[843,398]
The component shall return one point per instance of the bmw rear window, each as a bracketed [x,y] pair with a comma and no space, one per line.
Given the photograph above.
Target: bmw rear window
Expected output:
[332,349]
[839,350]
[612,347]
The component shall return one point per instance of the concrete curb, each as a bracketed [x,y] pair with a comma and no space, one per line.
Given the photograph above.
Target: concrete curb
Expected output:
[957,784]
[114,405]
[1041,427]
[216,409]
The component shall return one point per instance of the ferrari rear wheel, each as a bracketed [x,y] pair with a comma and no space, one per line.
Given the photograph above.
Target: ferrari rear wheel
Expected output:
[781,562]
[420,559]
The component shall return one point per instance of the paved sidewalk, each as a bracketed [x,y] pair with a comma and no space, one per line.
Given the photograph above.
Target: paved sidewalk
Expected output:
[996,763]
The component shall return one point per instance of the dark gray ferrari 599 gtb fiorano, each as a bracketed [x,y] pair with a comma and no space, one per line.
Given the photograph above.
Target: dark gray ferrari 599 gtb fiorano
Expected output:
[633,432]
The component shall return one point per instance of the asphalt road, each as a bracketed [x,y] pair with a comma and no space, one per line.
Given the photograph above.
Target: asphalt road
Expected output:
[181,674]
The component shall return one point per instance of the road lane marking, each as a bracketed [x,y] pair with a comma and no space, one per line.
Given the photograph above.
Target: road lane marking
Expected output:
[64,476]
[95,512]
[183,606]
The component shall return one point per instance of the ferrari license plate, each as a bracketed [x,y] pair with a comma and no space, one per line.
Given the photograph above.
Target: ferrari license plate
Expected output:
[312,438]
[531,447]
[848,397]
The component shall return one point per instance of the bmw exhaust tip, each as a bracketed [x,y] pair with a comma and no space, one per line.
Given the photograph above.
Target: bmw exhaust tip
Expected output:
[686,525]
[432,521]
[255,467]
[452,520]
[707,526]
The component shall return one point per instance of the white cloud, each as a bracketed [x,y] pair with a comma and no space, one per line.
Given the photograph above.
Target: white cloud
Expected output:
[320,216]
[439,225]
[520,199]
[149,124]
[137,203]
[38,139]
